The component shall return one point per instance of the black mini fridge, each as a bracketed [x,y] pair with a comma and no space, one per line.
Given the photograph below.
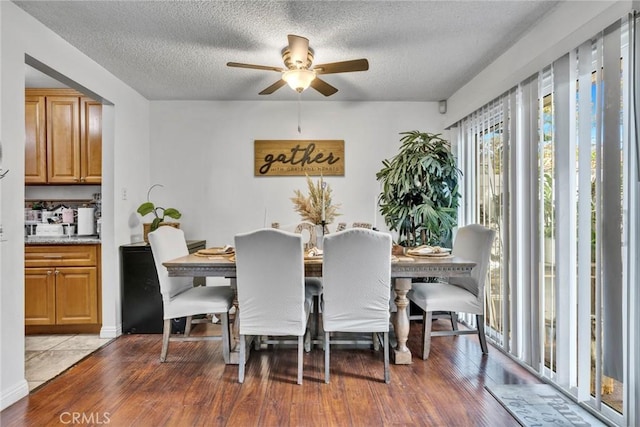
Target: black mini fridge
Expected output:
[140,290]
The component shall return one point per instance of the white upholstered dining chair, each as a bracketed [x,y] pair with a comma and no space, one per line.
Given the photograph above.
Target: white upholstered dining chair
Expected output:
[313,285]
[180,298]
[356,276]
[272,299]
[458,294]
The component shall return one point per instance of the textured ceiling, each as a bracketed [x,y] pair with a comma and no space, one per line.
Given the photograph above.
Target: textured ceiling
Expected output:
[177,50]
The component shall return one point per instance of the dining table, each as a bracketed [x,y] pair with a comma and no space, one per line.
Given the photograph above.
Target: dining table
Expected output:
[404,269]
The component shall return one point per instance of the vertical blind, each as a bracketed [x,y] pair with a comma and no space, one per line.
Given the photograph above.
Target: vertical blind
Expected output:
[610,201]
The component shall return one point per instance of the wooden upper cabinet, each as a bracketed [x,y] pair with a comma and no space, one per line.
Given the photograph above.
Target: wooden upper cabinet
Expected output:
[91,141]
[35,171]
[72,141]
[63,139]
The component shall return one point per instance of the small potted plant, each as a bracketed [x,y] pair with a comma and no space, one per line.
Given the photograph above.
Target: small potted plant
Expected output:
[159,214]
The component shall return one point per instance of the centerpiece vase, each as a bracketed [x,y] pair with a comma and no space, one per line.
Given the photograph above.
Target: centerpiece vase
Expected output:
[319,235]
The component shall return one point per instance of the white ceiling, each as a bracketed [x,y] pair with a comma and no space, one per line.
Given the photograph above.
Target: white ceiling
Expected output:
[177,50]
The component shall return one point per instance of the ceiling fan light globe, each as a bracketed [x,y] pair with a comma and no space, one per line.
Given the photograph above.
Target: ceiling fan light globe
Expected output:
[298,79]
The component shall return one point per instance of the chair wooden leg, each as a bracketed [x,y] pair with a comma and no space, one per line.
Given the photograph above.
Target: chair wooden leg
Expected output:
[316,315]
[241,362]
[454,320]
[187,326]
[376,341]
[426,334]
[326,357]
[257,341]
[307,340]
[226,336]
[300,358]
[166,333]
[386,357]
[481,336]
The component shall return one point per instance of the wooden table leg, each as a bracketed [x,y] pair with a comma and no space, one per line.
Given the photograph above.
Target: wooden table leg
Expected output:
[234,348]
[401,354]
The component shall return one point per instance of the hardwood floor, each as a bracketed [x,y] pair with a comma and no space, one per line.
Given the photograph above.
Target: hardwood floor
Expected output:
[124,384]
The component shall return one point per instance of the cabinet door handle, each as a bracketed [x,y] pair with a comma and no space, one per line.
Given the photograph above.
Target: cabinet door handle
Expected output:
[57,272]
[49,272]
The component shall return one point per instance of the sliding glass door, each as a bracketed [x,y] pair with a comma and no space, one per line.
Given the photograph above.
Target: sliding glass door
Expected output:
[550,166]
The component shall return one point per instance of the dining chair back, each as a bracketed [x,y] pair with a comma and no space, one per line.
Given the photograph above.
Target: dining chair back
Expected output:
[463,294]
[356,286]
[313,285]
[474,242]
[180,298]
[272,300]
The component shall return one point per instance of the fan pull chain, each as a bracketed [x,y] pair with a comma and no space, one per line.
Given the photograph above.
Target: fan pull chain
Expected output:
[299,110]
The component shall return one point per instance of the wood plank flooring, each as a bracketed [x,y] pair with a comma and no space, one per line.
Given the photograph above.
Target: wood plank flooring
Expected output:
[124,384]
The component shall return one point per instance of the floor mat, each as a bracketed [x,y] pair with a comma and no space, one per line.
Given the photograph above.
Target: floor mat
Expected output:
[541,405]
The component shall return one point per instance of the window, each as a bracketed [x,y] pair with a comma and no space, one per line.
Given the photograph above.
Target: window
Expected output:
[550,166]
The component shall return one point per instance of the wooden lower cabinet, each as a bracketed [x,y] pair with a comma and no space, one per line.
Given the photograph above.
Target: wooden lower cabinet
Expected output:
[76,295]
[39,296]
[62,288]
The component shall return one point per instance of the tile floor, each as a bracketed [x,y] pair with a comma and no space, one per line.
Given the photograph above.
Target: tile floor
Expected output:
[46,356]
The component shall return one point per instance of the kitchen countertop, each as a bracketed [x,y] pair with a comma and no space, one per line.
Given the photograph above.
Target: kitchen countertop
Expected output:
[62,240]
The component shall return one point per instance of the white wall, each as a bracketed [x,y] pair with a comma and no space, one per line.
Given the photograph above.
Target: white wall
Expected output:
[125,160]
[202,152]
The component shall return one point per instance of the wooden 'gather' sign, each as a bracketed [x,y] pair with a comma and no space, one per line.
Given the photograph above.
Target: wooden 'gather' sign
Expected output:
[298,157]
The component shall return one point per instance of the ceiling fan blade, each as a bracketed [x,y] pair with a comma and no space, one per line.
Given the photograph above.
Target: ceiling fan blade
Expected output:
[299,49]
[323,87]
[342,67]
[274,87]
[254,67]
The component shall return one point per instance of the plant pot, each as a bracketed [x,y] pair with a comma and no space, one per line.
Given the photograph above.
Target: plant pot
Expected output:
[146,228]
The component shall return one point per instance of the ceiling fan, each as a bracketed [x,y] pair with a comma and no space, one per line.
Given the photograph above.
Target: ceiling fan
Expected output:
[299,74]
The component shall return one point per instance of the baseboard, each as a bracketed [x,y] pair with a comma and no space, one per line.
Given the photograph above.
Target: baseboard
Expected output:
[111,331]
[13,394]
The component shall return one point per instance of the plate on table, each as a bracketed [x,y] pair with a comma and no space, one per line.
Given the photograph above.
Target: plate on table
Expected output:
[223,250]
[430,251]
[438,255]
[313,253]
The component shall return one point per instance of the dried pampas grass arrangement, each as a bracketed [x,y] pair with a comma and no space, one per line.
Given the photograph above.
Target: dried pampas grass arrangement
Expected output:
[310,207]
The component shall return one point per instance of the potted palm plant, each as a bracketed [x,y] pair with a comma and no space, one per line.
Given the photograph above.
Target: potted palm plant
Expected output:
[419,197]
[159,214]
